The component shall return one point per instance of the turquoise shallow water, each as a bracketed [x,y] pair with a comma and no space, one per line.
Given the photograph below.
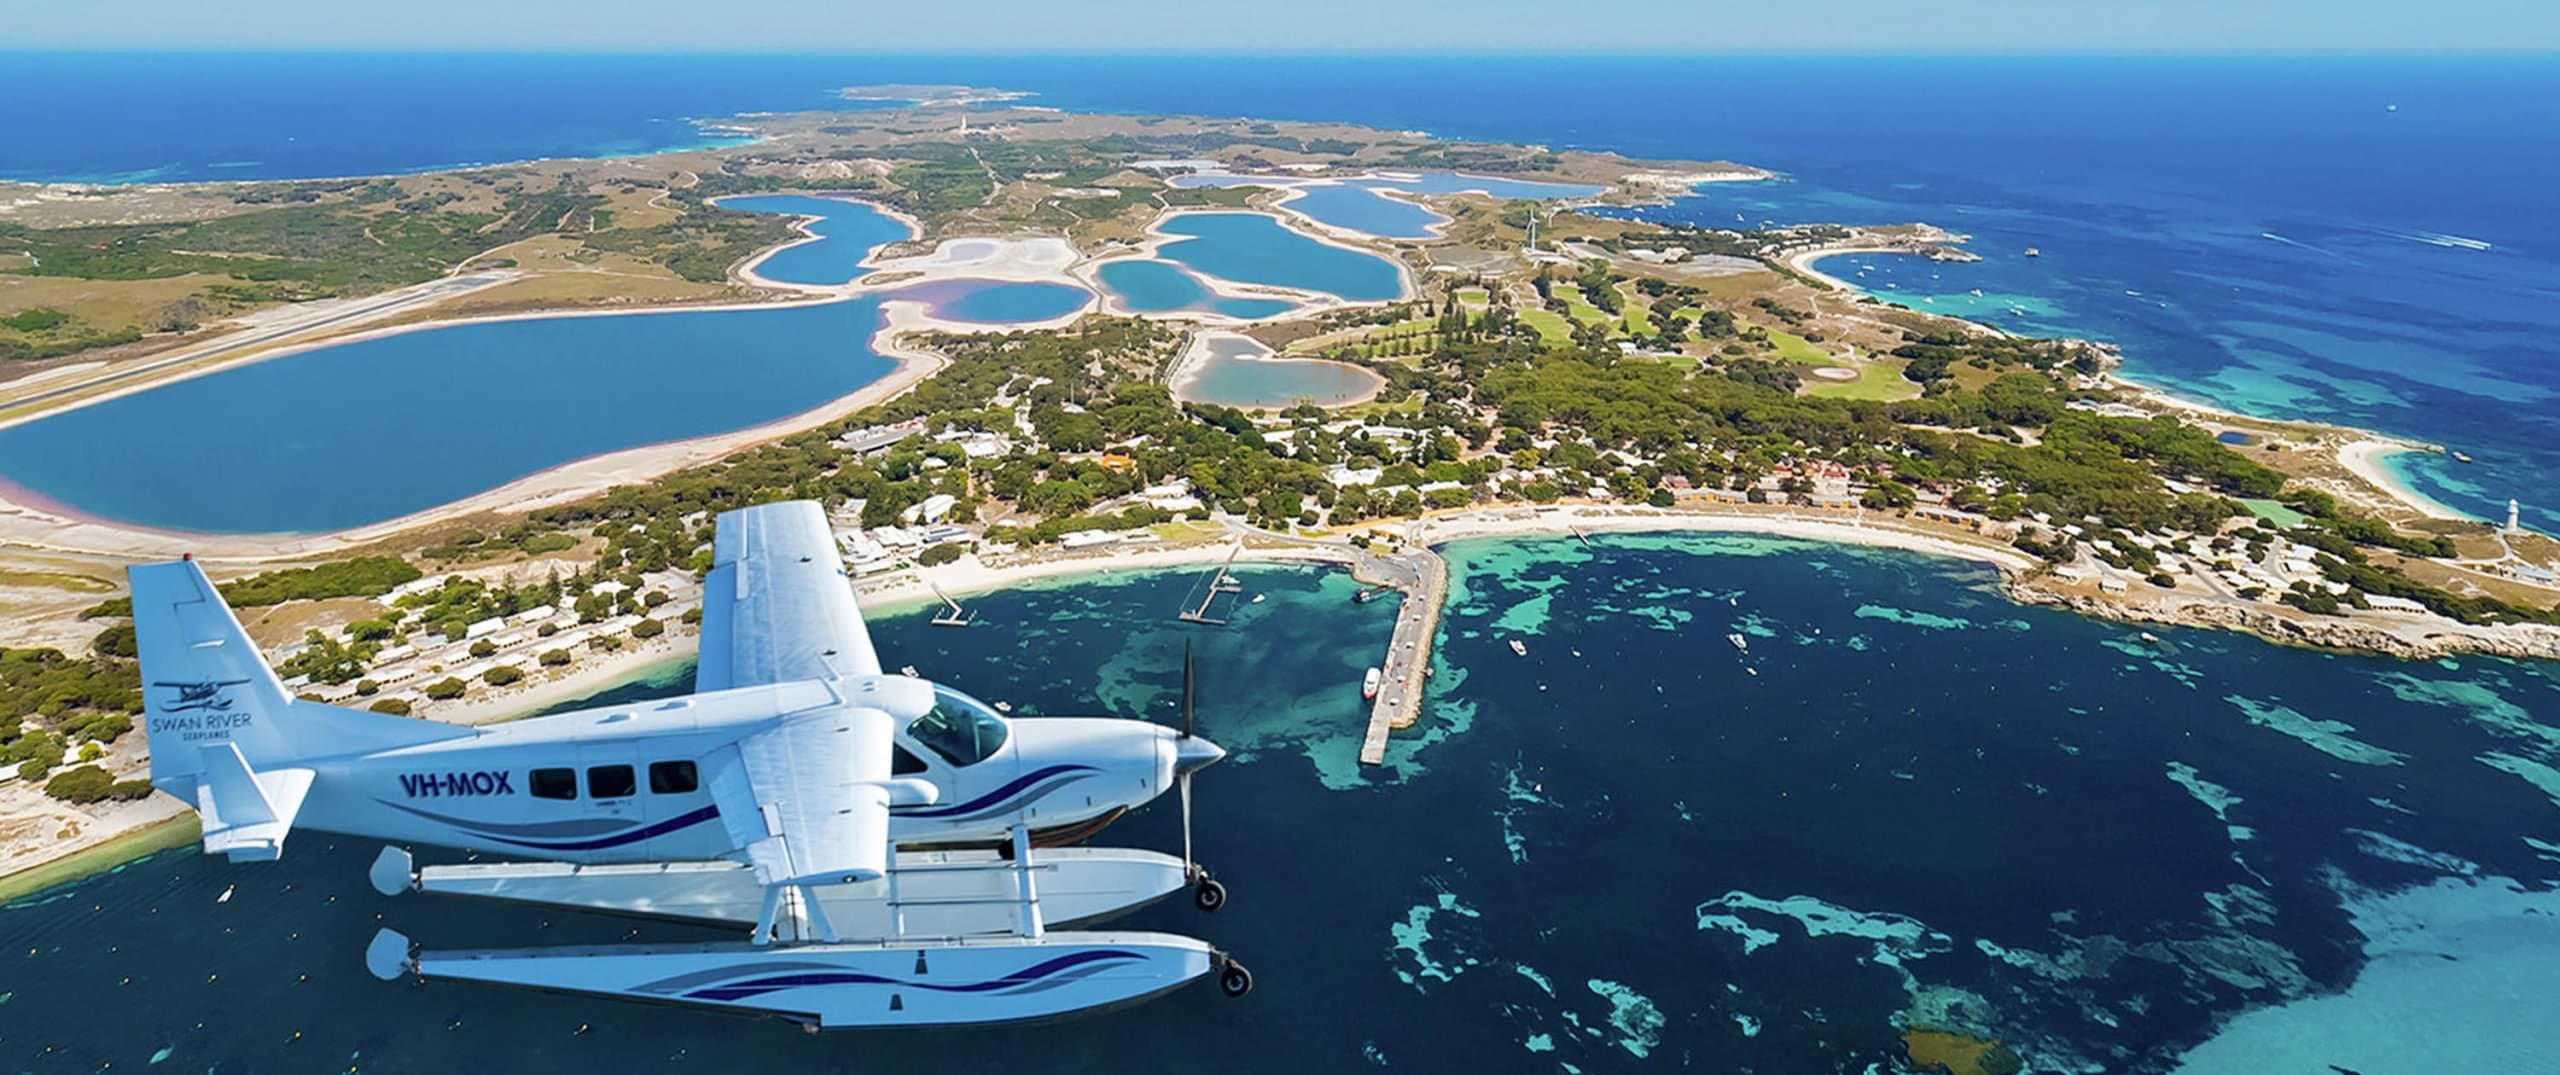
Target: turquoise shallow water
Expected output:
[1255,248]
[1636,848]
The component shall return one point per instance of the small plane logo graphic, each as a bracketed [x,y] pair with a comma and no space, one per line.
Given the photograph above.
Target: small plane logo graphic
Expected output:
[203,694]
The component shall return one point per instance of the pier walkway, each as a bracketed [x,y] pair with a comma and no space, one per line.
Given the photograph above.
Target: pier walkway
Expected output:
[1423,578]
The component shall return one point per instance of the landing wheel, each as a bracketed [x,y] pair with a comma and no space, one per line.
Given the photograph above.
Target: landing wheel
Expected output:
[1234,980]
[1209,895]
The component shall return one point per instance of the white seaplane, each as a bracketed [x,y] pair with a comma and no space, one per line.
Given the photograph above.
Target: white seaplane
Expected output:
[889,841]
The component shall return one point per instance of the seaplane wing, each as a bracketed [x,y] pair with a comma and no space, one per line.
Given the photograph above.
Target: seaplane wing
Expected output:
[777,605]
[808,799]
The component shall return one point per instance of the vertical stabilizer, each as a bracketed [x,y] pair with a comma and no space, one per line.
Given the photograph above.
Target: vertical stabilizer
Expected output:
[224,735]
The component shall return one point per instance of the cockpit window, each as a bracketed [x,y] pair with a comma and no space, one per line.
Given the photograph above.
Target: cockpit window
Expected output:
[960,728]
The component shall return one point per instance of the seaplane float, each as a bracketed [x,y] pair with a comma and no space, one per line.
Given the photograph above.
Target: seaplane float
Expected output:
[894,852]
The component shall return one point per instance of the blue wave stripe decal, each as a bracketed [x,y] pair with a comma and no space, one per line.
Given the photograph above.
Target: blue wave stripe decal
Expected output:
[681,821]
[998,797]
[1028,979]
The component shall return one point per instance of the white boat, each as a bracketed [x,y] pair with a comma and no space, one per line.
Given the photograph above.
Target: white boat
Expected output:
[1738,641]
[976,980]
[1517,649]
[1258,598]
[1369,683]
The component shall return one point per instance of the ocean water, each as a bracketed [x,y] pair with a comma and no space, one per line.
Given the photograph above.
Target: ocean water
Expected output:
[848,231]
[1638,847]
[1255,248]
[361,432]
[1146,285]
[1238,372]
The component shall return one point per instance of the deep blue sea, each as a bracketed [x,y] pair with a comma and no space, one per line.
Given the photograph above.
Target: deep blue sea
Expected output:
[1636,848]
[2289,235]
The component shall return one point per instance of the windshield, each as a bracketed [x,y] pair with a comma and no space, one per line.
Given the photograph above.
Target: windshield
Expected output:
[960,728]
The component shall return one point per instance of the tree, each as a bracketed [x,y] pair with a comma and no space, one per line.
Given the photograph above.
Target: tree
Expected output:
[116,641]
[398,707]
[648,629]
[501,675]
[448,687]
[554,658]
[483,647]
[1660,497]
[938,555]
[84,784]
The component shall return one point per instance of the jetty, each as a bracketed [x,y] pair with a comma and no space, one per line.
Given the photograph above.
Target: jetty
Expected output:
[1220,581]
[1424,580]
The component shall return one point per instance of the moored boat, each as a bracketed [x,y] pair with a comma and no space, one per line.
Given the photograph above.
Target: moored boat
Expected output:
[1369,683]
[1517,649]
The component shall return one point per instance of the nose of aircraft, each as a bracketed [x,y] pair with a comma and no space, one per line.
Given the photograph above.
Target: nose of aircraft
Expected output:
[1190,755]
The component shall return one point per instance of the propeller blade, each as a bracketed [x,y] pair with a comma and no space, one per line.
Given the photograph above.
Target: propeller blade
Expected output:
[1186,692]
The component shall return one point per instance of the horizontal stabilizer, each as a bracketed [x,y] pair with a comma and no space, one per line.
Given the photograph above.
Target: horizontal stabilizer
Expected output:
[246,814]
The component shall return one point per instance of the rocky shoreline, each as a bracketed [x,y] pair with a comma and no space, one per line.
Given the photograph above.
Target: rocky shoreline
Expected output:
[2434,637]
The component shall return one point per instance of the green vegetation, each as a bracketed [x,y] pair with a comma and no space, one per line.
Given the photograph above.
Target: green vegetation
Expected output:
[39,319]
[362,576]
[88,784]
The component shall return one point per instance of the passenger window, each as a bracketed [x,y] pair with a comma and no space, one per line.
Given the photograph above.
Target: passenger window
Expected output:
[960,728]
[611,782]
[672,778]
[554,783]
[903,762]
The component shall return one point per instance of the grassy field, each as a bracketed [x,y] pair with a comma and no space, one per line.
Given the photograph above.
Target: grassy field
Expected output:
[1550,325]
[1879,380]
[1639,319]
[1797,349]
[1473,297]
[57,580]
[1580,308]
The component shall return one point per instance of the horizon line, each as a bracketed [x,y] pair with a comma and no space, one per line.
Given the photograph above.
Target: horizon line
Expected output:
[1490,52]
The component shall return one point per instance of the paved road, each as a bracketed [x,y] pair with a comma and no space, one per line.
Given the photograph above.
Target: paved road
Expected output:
[378,305]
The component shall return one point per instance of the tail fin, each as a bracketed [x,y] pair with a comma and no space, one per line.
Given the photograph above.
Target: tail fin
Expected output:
[224,734]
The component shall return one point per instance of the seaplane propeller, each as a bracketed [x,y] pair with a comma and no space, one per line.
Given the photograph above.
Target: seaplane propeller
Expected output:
[1206,893]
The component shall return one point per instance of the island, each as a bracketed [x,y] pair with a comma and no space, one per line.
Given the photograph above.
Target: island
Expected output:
[1278,340]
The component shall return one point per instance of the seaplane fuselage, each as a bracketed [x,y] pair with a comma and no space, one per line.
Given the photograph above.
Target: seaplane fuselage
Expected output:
[629,783]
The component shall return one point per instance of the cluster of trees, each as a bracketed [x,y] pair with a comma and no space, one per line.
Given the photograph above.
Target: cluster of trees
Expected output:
[71,699]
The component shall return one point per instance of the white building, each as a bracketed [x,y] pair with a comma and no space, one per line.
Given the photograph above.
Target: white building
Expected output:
[1086,539]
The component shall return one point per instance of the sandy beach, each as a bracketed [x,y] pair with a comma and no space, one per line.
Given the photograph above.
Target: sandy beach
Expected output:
[2365,459]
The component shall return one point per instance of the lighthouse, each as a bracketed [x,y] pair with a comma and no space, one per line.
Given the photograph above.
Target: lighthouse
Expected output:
[2513,527]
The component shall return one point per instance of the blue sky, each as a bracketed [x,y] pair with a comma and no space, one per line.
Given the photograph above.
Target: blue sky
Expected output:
[1297,25]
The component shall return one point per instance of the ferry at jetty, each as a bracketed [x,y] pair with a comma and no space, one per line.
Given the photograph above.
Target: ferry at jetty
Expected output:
[1369,683]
